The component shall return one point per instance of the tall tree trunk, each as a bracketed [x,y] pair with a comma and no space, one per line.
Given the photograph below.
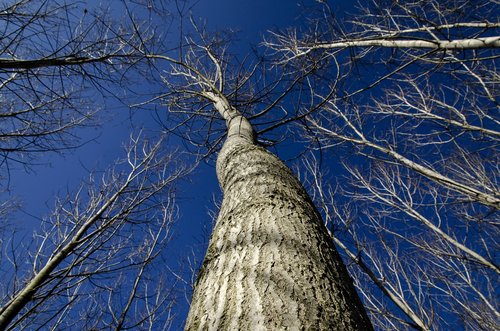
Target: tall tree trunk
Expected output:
[270,263]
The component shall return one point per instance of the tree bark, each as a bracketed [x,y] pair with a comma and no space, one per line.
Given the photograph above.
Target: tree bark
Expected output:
[270,264]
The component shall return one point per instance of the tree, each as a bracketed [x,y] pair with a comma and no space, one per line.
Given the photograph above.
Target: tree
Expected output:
[93,263]
[54,57]
[422,126]
[270,263]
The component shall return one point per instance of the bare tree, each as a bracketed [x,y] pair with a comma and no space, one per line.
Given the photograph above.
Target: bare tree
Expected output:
[413,91]
[93,264]
[270,263]
[56,58]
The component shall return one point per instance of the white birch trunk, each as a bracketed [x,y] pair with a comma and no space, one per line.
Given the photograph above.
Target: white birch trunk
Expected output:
[270,264]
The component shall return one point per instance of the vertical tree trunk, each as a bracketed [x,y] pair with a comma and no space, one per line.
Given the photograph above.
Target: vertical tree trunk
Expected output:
[270,264]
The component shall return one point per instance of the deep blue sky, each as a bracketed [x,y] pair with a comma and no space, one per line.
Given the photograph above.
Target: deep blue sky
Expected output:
[250,18]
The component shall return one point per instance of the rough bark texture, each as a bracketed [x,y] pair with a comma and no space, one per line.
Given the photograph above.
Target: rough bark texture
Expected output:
[270,264]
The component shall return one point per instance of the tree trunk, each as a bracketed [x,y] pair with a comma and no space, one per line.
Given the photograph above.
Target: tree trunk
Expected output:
[270,264]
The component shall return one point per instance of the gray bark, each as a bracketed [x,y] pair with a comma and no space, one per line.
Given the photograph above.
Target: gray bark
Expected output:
[270,264]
